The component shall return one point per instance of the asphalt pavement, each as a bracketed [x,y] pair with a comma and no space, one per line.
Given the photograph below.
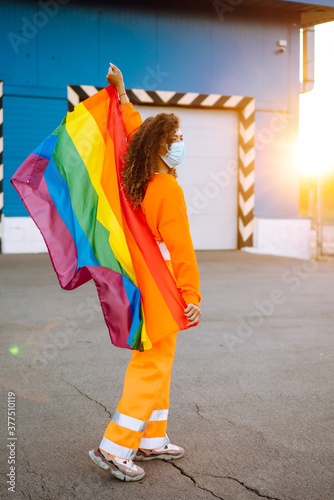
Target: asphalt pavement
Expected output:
[251,394]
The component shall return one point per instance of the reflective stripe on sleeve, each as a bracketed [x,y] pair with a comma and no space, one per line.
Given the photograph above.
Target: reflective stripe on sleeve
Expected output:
[164,250]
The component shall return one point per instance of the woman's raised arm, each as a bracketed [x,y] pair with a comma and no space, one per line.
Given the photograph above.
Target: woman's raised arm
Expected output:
[131,118]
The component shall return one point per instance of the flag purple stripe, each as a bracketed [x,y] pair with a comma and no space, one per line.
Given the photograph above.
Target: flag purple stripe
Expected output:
[114,303]
[42,210]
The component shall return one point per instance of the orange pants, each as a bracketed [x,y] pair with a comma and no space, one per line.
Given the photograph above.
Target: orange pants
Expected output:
[140,420]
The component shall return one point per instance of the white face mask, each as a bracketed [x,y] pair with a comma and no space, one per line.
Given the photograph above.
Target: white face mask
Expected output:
[175,154]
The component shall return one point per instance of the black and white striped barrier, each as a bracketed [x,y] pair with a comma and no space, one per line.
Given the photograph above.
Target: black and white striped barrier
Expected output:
[246,150]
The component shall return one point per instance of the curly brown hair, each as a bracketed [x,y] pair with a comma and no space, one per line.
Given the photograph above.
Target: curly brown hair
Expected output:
[141,158]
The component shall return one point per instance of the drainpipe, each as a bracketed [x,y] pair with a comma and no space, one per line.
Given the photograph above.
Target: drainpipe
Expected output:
[308,60]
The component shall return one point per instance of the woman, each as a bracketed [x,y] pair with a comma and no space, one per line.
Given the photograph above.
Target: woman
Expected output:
[138,428]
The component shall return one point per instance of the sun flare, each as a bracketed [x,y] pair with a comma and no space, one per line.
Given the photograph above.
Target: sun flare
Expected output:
[315,149]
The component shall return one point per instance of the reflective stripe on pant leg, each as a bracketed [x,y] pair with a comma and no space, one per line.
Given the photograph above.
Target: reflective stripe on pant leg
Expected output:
[157,442]
[122,436]
[117,450]
[131,423]
[158,415]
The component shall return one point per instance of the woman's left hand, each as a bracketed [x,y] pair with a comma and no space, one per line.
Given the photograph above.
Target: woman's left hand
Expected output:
[193,313]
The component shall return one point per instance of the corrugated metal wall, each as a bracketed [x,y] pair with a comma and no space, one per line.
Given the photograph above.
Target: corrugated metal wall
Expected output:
[179,49]
[28,121]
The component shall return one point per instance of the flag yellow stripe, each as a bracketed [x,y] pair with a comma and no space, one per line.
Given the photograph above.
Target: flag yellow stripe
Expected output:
[91,147]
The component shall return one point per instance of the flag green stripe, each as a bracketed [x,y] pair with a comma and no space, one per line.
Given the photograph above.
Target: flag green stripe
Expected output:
[84,200]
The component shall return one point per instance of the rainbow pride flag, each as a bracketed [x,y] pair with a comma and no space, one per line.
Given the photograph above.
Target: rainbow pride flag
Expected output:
[70,185]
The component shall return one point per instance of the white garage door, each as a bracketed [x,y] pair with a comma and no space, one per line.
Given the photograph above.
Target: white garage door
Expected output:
[208,175]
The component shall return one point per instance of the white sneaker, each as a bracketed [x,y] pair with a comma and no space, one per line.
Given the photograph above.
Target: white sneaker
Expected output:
[122,468]
[168,452]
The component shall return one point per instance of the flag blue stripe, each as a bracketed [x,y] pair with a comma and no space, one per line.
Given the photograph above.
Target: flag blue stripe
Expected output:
[134,295]
[60,195]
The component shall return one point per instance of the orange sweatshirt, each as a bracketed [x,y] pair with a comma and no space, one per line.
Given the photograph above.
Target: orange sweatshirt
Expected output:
[165,211]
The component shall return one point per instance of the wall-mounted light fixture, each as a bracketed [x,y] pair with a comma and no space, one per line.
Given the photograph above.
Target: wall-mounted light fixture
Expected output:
[282,44]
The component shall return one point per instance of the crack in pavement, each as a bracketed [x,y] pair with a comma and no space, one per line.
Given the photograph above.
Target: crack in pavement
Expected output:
[253,490]
[88,397]
[230,421]
[198,412]
[192,479]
